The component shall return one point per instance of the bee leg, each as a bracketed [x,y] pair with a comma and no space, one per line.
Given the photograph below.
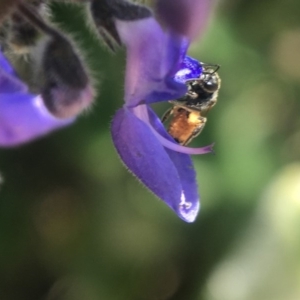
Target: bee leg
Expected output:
[195,133]
[192,94]
[216,67]
[166,115]
[191,80]
[200,127]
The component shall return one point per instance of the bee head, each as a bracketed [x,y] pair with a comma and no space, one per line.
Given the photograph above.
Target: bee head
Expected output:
[210,80]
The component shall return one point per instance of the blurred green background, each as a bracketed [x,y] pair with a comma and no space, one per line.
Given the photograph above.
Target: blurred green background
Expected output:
[74,224]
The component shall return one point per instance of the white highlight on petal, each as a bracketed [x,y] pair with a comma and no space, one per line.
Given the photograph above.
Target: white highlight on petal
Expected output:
[182,73]
[183,203]
[38,102]
[187,212]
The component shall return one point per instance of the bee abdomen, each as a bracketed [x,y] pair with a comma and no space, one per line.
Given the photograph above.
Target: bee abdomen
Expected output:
[182,126]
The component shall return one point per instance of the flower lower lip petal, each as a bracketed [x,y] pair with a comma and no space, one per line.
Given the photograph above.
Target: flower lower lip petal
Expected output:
[169,176]
[189,202]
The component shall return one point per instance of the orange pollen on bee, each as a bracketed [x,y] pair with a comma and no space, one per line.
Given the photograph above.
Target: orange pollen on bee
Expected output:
[184,124]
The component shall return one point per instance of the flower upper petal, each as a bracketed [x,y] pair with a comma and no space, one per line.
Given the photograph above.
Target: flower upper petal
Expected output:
[153,58]
[148,160]
[185,17]
[189,205]
[24,117]
[190,68]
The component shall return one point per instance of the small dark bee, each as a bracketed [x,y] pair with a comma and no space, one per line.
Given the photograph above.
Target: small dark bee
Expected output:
[189,112]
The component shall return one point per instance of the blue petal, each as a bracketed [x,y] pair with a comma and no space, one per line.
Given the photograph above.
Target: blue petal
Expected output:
[9,82]
[146,158]
[5,65]
[189,206]
[153,58]
[190,68]
[23,117]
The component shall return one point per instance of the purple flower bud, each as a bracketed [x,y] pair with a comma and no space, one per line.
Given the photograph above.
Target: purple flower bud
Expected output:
[66,88]
[23,116]
[63,83]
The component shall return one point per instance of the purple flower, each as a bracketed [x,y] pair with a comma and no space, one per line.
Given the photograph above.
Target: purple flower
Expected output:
[59,74]
[23,116]
[157,68]
[65,89]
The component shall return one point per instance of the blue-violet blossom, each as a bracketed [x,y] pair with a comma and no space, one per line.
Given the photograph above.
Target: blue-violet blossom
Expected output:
[23,115]
[156,71]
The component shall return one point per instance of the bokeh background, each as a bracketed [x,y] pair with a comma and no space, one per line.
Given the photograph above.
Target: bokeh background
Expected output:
[74,224]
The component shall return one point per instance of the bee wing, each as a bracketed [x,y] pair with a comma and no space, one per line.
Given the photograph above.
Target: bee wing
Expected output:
[198,129]
[166,115]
